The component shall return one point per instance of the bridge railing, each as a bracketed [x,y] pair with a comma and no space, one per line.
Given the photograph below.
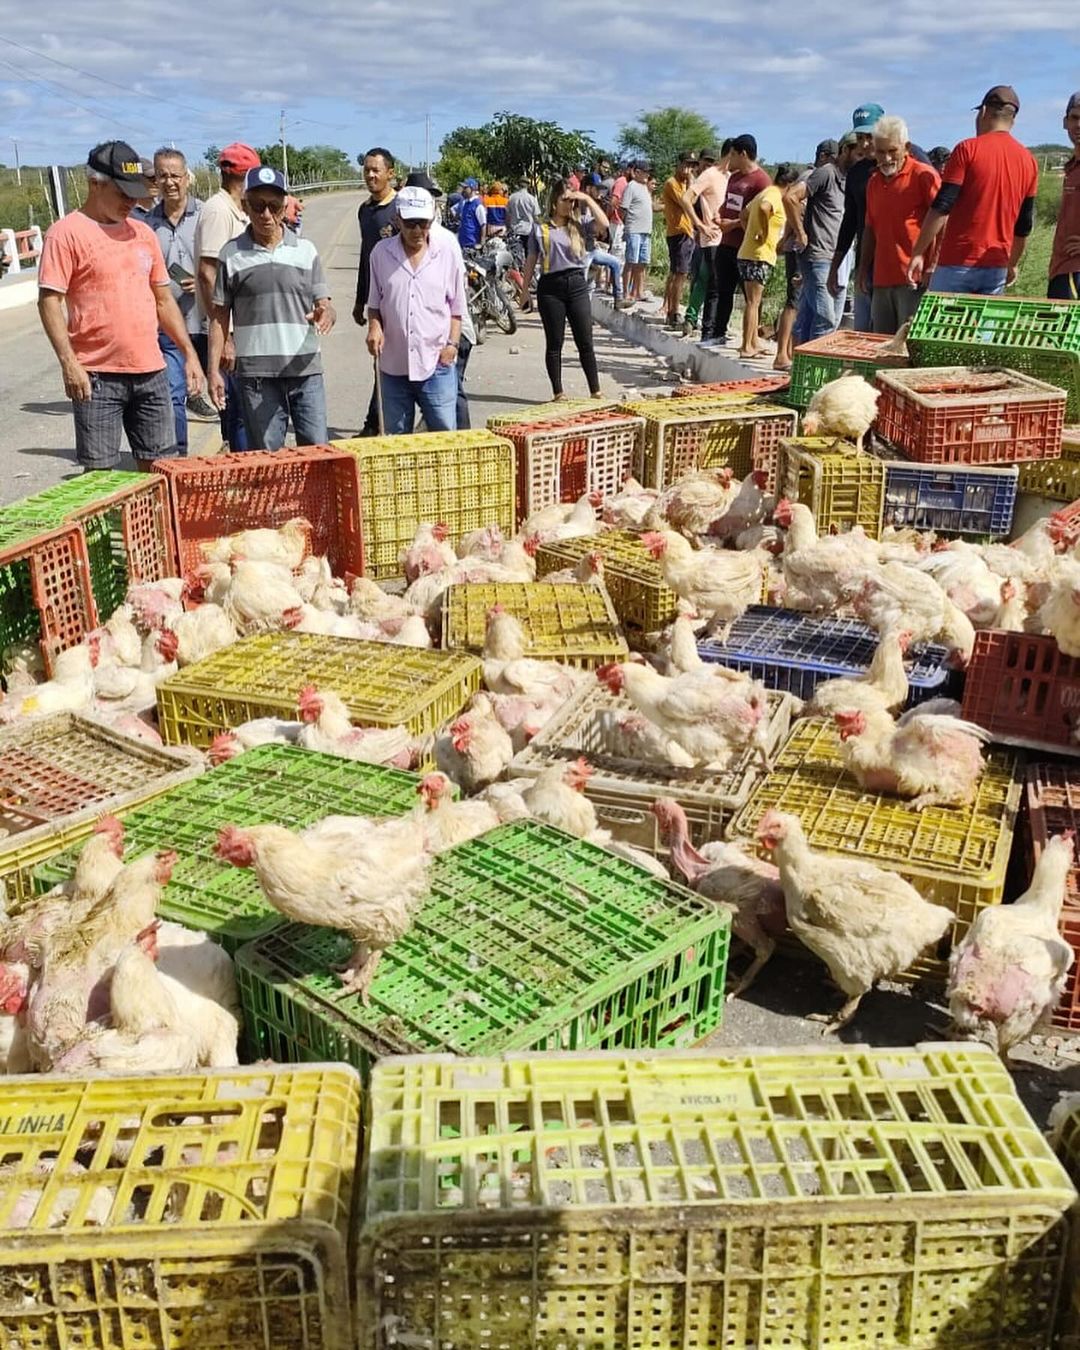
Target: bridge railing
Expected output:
[20,248]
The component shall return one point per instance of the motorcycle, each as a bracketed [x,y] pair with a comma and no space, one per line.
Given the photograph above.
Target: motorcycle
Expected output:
[487,272]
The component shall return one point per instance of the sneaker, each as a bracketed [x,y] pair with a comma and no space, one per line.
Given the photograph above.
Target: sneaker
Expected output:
[709,342]
[200,409]
[625,304]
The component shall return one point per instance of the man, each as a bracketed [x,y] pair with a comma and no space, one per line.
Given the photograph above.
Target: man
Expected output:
[746,181]
[615,196]
[522,214]
[471,216]
[377,218]
[415,308]
[986,205]
[898,197]
[707,193]
[826,153]
[820,310]
[107,270]
[637,214]
[173,219]
[600,256]
[495,204]
[271,285]
[679,228]
[221,219]
[1065,258]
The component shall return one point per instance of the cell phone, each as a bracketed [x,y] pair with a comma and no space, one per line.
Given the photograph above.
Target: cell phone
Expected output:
[179,273]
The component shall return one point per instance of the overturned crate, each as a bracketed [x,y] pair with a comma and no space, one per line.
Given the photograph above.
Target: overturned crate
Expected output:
[814,1199]
[755,385]
[1053,807]
[682,435]
[46,598]
[561,459]
[548,412]
[841,484]
[566,622]
[174,1210]
[632,577]
[1024,690]
[817,363]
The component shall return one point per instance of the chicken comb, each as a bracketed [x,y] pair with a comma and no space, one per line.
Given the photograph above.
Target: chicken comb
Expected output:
[309,692]
[109,825]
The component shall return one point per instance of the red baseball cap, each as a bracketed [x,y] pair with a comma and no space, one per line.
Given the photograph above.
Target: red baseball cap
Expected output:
[238,158]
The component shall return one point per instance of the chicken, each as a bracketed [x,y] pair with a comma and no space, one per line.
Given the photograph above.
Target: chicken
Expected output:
[368,601]
[208,583]
[589,570]
[316,584]
[712,721]
[368,885]
[23,667]
[261,598]
[486,544]
[327,622]
[967,581]
[518,557]
[71,688]
[629,508]
[154,603]
[865,923]
[507,670]
[745,885]
[411,631]
[885,684]
[683,655]
[1009,970]
[717,584]
[201,632]
[628,735]
[120,638]
[135,690]
[475,749]
[326,727]
[15,981]
[690,505]
[519,715]
[1012,617]
[429,552]
[563,521]
[447,822]
[261,731]
[896,596]
[506,799]
[1060,612]
[844,407]
[820,574]
[557,798]
[285,546]
[752,506]
[930,759]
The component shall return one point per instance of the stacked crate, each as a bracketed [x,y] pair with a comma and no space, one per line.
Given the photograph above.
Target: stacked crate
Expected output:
[1023,690]
[46,597]
[682,435]
[632,578]
[761,384]
[567,622]
[1053,807]
[815,364]
[842,486]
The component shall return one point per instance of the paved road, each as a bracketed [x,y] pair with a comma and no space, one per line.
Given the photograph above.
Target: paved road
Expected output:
[36,434]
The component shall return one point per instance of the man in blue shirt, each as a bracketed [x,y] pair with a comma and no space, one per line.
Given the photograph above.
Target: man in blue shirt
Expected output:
[471,216]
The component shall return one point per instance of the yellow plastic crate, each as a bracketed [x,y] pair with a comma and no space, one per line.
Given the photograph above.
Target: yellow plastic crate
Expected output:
[465,479]
[682,435]
[59,774]
[841,485]
[623,790]
[954,856]
[690,1201]
[632,577]
[1066,1142]
[178,1211]
[570,623]
[543,412]
[1057,479]
[381,684]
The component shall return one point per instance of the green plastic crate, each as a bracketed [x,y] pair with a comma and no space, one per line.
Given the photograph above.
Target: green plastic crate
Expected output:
[1039,337]
[808,1199]
[271,785]
[529,939]
[817,363]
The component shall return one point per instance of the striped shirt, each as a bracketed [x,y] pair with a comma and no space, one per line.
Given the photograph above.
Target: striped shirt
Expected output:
[269,293]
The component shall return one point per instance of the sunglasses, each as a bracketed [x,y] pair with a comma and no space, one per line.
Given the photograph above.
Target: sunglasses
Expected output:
[264,208]
[415,224]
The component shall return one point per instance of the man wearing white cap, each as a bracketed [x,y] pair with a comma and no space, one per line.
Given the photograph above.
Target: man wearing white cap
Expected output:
[415,304]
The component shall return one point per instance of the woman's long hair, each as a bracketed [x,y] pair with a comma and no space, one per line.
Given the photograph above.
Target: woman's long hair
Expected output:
[573,224]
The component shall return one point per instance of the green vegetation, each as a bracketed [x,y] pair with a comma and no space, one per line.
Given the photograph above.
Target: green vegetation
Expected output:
[510,147]
[662,135]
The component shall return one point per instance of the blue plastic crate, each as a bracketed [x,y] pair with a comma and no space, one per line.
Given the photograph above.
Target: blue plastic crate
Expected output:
[792,652]
[975,502]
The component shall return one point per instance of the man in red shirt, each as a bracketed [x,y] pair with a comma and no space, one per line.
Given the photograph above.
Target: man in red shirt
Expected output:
[898,195]
[1065,259]
[746,179]
[986,205]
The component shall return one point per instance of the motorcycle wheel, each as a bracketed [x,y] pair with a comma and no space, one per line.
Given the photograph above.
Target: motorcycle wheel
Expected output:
[502,309]
[479,324]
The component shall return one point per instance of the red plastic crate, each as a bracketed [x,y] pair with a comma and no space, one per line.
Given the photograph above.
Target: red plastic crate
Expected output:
[1053,806]
[560,459]
[45,591]
[760,384]
[222,494]
[959,415]
[1024,691]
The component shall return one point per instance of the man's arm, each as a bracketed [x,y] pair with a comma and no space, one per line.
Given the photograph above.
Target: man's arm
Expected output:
[218,336]
[171,323]
[931,228]
[849,229]
[322,314]
[205,281]
[54,321]
[1025,223]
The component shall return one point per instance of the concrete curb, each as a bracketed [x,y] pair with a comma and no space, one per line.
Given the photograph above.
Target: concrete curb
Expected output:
[18,289]
[686,358]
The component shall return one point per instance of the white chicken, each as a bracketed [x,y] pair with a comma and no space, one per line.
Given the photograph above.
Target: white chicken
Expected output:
[844,407]
[326,727]
[557,797]
[261,731]
[896,596]
[751,506]
[967,581]
[121,641]
[154,603]
[884,685]
[519,557]
[1012,617]
[932,760]
[135,690]
[448,823]
[475,749]
[486,543]
[507,670]
[820,574]
[562,520]
[720,585]
[285,546]
[201,632]
[262,598]
[411,631]
[1060,611]
[368,601]
[690,505]
[629,508]
[71,688]
[588,571]
[428,553]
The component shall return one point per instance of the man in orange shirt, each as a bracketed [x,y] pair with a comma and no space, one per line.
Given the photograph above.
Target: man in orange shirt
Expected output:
[109,273]
[898,195]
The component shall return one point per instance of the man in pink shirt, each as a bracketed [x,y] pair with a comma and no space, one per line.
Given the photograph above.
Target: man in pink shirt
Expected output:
[416,300]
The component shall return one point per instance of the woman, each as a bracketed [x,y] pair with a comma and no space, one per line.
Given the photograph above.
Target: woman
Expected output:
[559,245]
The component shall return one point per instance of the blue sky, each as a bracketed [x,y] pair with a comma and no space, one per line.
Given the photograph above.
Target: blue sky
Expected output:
[360,72]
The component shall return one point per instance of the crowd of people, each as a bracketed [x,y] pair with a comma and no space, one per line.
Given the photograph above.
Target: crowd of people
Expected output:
[147,294]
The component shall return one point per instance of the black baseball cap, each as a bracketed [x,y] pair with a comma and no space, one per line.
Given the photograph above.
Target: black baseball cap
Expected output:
[421,180]
[1001,96]
[1074,102]
[827,147]
[125,166]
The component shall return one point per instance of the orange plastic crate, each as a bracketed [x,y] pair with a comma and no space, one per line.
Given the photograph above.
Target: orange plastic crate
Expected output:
[1053,806]
[761,384]
[560,459]
[45,591]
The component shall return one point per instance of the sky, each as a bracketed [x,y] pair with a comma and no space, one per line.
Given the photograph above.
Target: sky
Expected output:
[355,73]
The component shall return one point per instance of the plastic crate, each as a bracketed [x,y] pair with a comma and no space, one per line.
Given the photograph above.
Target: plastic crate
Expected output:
[1039,337]
[794,652]
[544,412]
[1024,691]
[1056,479]
[815,364]
[382,685]
[760,384]
[816,1199]
[174,1211]
[1053,806]
[529,939]
[45,591]
[560,459]
[632,577]
[222,494]
[571,623]
[841,485]
[125,517]
[954,856]
[623,790]
[971,503]
[270,785]
[956,415]
[681,436]
[464,479]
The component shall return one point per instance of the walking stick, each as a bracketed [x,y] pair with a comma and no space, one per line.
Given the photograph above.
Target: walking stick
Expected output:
[378,398]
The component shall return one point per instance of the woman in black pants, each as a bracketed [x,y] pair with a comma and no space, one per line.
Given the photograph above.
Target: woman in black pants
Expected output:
[558,246]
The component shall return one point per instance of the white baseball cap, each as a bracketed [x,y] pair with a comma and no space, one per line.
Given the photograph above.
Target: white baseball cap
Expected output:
[415,203]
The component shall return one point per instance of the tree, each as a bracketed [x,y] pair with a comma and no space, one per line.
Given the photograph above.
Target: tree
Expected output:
[310,162]
[212,154]
[512,147]
[454,167]
[662,135]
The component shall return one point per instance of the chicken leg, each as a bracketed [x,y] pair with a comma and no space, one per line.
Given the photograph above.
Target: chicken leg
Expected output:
[762,952]
[841,1019]
[358,973]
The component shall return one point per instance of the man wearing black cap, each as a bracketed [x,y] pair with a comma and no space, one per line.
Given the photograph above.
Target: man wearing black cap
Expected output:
[986,205]
[109,273]
[1065,258]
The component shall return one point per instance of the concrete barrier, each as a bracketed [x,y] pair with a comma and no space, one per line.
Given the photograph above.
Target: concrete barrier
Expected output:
[699,364]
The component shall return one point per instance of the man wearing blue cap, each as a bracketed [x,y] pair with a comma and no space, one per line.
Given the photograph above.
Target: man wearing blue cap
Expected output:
[471,216]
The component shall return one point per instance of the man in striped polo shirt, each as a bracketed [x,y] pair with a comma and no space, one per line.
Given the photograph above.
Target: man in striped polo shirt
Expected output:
[271,284]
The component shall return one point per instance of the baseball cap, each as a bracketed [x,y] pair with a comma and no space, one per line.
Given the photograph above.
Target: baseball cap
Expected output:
[848,138]
[1001,96]
[421,180]
[127,169]
[595,180]
[828,147]
[470,182]
[415,203]
[1074,102]
[264,177]
[866,117]
[237,158]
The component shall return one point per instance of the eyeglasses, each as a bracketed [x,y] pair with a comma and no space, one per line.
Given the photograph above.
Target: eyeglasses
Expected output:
[415,224]
[264,208]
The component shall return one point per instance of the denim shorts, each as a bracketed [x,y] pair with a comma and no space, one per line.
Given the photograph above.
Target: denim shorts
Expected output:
[969,280]
[638,249]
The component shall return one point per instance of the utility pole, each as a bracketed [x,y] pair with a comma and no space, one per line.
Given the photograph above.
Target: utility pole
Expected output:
[427,142]
[18,170]
[284,150]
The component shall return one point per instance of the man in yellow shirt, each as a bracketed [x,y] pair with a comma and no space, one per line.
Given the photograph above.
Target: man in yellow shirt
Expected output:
[765,218]
[679,226]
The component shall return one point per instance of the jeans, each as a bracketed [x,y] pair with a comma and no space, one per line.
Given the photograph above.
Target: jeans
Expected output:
[233,432]
[138,405]
[969,280]
[177,376]
[598,258]
[561,296]
[436,398]
[720,291]
[638,249]
[464,423]
[864,310]
[819,310]
[269,402]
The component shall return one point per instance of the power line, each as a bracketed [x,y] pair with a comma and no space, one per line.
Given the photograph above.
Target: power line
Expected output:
[44,81]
